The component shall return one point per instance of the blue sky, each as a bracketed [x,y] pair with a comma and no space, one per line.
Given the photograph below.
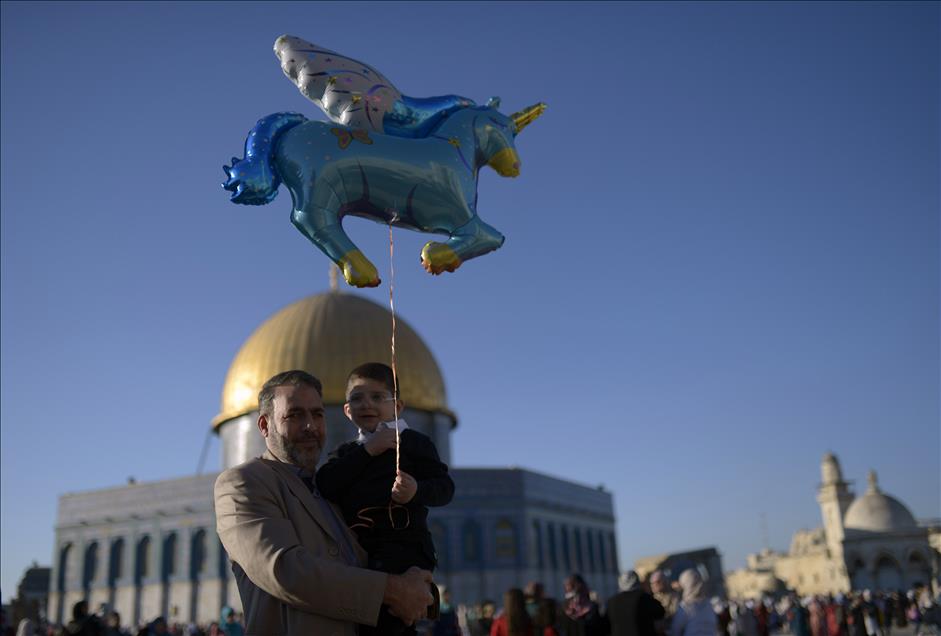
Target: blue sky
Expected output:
[722,255]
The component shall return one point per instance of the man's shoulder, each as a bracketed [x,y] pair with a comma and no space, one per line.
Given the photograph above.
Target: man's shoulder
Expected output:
[252,471]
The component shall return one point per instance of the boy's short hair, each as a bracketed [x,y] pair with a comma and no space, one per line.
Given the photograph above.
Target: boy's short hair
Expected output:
[373,371]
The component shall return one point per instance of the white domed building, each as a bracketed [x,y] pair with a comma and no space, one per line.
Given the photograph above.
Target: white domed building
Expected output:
[150,549]
[883,546]
[868,542]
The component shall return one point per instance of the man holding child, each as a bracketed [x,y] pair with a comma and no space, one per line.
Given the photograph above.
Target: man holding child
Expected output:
[299,568]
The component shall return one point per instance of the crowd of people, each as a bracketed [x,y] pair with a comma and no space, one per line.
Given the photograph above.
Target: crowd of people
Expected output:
[109,623]
[855,614]
[660,607]
[656,606]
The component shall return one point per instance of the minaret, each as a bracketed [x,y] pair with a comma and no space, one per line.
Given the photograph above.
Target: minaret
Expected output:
[834,498]
[334,270]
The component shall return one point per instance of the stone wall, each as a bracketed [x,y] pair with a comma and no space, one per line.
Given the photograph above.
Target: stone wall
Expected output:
[131,548]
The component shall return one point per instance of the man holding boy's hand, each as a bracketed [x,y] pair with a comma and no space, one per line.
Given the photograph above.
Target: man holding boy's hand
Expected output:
[298,567]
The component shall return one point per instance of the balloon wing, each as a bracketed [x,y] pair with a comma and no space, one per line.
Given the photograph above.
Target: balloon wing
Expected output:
[349,92]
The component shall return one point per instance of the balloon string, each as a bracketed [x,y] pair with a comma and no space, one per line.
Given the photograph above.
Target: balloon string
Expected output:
[395,375]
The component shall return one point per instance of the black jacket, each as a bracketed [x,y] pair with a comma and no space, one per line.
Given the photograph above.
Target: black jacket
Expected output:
[633,613]
[362,486]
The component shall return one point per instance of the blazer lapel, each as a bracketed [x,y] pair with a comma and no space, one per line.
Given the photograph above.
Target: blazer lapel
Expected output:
[299,490]
[316,510]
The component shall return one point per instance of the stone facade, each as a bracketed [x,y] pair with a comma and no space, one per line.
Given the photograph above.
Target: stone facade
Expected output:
[866,542]
[144,549]
[758,579]
[507,527]
[808,566]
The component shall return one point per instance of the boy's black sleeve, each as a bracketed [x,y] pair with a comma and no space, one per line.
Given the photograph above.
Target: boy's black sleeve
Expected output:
[435,487]
[341,470]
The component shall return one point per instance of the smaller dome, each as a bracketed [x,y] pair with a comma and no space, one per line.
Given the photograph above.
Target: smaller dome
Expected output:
[876,511]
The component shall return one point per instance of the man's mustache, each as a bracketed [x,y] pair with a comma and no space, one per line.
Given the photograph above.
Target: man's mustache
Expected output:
[309,438]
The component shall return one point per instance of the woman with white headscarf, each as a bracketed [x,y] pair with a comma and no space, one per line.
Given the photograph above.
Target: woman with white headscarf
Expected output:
[694,617]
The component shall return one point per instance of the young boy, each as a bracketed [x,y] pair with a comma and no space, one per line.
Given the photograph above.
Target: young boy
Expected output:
[388,511]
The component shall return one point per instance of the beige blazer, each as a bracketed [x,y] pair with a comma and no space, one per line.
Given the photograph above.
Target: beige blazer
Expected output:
[289,568]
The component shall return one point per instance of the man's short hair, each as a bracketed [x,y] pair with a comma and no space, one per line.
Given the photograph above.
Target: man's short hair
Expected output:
[295,377]
[374,371]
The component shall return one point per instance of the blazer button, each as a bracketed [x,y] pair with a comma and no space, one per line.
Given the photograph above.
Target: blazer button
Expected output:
[333,552]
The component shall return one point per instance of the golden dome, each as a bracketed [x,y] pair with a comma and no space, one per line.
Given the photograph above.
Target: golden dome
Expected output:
[329,335]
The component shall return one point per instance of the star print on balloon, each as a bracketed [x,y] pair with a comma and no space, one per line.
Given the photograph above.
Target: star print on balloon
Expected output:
[398,160]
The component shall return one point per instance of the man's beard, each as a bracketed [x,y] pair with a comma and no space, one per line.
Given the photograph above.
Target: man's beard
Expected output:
[304,457]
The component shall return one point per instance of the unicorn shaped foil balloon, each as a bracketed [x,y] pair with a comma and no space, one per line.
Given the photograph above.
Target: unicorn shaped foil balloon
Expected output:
[399,160]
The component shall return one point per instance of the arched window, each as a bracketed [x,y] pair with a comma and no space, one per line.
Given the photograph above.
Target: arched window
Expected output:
[553,552]
[167,571]
[142,560]
[579,561]
[197,554]
[61,578]
[439,535]
[614,552]
[196,566]
[142,571]
[566,554]
[888,573]
[916,561]
[115,562]
[504,539]
[63,567]
[537,541]
[886,561]
[591,549]
[89,567]
[168,566]
[918,569]
[470,542]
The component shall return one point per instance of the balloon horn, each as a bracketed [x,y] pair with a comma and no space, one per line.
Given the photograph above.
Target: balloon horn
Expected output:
[524,117]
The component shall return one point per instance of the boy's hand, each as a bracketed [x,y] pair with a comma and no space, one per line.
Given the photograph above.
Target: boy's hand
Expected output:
[404,488]
[380,442]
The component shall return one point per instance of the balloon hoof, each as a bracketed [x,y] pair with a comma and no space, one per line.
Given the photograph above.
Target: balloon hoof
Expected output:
[358,271]
[438,257]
